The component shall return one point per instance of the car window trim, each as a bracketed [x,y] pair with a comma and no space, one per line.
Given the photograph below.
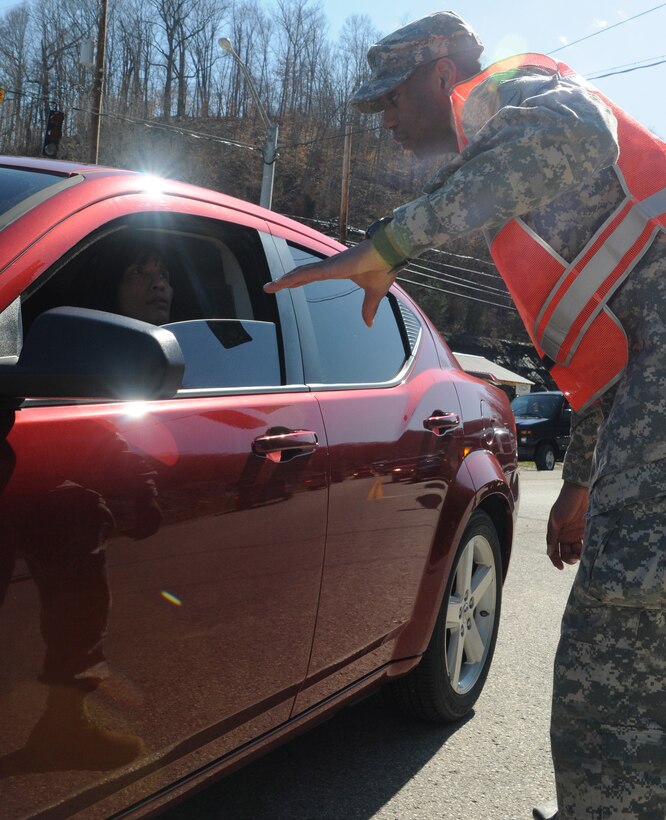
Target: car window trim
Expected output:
[289,330]
[211,392]
[399,379]
[186,393]
[288,339]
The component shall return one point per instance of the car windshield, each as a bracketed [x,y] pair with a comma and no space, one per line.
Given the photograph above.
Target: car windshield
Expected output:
[17,184]
[535,405]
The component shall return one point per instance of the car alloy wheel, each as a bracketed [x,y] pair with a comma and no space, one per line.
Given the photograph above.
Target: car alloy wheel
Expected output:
[453,670]
[471,615]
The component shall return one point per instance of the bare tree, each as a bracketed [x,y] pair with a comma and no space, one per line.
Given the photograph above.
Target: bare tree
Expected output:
[55,65]
[351,65]
[14,60]
[130,57]
[302,28]
[205,52]
[171,16]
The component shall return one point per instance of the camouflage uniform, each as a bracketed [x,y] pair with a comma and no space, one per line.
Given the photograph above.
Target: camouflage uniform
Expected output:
[542,148]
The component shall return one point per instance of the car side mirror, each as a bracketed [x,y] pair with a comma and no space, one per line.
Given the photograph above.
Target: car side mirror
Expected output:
[80,353]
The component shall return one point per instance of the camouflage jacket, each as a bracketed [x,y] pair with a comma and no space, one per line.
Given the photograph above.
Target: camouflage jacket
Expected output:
[543,149]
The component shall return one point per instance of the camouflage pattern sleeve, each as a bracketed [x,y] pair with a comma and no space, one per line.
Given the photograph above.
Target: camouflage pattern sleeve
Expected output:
[534,138]
[577,464]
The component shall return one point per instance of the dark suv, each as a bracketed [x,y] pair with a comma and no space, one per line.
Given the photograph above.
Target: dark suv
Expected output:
[543,425]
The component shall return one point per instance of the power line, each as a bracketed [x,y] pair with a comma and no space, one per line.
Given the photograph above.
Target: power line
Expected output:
[453,293]
[433,273]
[467,258]
[611,72]
[607,28]
[326,139]
[632,64]
[458,283]
[148,124]
[174,129]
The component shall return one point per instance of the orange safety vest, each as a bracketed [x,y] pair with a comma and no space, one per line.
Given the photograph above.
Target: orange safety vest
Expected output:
[564,305]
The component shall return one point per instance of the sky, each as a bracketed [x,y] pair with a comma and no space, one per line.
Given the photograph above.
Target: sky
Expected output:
[514,26]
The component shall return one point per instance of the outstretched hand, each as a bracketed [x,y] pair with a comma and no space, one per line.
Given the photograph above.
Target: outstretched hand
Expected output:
[566,525]
[362,264]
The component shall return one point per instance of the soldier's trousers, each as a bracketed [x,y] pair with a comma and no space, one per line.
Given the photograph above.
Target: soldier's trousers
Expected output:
[608,722]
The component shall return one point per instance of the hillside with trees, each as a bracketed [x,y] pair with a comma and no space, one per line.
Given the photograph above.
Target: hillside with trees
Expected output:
[176,104]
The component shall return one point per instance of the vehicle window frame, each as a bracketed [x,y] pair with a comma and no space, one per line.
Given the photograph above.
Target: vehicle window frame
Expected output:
[279,309]
[309,341]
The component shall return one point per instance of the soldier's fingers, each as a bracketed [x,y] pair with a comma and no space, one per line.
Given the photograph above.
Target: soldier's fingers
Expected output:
[300,276]
[553,552]
[570,552]
[371,302]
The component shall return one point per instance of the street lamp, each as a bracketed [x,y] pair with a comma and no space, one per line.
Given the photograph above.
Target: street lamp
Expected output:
[270,143]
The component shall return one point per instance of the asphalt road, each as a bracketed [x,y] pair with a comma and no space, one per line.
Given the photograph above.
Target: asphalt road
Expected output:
[367,762]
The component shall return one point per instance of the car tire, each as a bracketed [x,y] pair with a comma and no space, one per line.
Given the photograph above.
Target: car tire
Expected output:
[452,672]
[545,458]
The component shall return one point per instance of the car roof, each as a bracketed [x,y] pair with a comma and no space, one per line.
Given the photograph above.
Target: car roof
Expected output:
[137,181]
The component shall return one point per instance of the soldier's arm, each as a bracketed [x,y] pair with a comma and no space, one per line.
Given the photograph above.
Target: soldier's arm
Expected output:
[578,458]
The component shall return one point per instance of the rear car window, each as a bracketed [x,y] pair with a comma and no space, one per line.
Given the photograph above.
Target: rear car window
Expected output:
[349,352]
[17,184]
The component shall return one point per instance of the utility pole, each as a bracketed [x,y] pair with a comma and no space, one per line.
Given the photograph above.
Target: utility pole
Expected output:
[346,167]
[270,155]
[98,84]
[269,149]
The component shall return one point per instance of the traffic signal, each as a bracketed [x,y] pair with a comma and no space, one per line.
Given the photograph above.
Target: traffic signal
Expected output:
[53,133]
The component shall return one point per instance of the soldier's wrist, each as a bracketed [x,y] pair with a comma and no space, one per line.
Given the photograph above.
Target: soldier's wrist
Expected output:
[380,236]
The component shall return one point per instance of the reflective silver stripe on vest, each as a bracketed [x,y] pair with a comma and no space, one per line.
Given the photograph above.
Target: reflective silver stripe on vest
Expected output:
[655,205]
[595,273]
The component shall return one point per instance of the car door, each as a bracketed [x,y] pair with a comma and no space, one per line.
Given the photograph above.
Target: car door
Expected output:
[393,424]
[161,560]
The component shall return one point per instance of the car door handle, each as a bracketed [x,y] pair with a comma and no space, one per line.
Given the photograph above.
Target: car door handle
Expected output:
[440,423]
[282,444]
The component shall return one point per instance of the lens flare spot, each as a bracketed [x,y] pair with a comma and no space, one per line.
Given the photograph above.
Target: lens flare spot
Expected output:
[153,184]
[171,598]
[135,409]
[509,45]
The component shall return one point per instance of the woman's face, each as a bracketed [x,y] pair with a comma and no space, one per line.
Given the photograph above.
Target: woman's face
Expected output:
[145,292]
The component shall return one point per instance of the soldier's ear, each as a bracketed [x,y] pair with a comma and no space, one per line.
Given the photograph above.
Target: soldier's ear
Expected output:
[447,72]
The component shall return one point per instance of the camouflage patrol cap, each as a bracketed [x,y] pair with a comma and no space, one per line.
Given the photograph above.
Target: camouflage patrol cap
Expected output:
[397,55]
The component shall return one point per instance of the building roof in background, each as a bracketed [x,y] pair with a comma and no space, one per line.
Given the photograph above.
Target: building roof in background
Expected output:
[480,366]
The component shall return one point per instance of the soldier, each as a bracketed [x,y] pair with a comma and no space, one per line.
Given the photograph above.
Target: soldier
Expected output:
[570,193]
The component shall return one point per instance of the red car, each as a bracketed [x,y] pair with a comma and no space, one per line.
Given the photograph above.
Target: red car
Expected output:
[217,530]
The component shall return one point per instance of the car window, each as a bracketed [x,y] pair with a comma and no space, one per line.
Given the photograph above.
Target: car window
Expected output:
[537,405]
[19,184]
[349,351]
[226,325]
[228,353]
